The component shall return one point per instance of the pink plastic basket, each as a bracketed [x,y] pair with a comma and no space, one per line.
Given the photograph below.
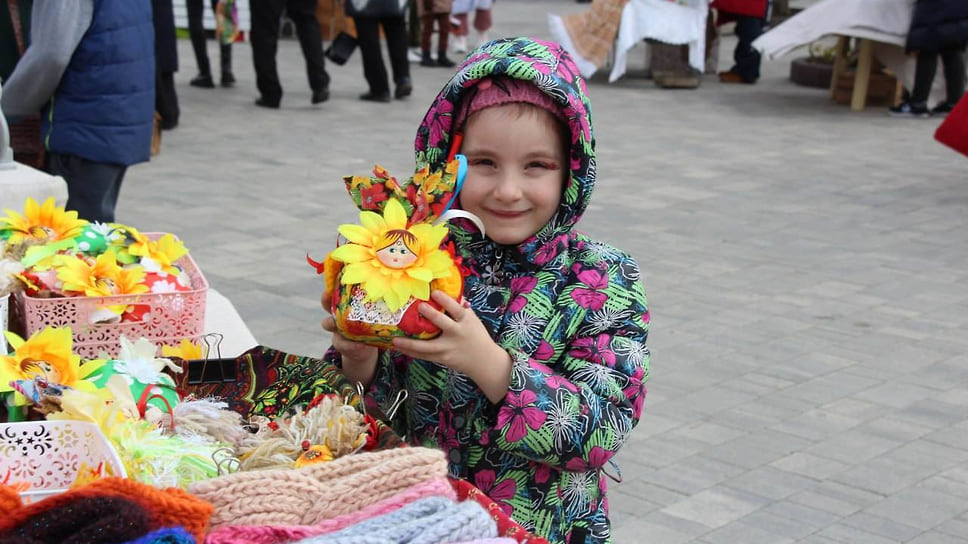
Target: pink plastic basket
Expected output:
[170,317]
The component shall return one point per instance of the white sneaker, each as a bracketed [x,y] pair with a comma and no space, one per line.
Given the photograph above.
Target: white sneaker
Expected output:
[413,54]
[458,44]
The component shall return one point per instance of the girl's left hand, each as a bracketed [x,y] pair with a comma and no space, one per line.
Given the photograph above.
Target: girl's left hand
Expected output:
[463,345]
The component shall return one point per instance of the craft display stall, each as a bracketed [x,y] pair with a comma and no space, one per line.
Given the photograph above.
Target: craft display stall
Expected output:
[879,26]
[122,422]
[607,31]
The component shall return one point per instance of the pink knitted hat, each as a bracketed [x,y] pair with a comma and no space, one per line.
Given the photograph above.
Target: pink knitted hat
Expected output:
[498,91]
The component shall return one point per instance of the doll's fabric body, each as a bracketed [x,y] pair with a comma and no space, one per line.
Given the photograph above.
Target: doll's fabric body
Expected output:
[572,313]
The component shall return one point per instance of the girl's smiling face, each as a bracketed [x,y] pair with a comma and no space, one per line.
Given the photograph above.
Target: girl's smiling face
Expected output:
[516,158]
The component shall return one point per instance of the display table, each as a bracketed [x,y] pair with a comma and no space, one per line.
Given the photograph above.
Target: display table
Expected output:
[881,26]
[674,23]
[222,318]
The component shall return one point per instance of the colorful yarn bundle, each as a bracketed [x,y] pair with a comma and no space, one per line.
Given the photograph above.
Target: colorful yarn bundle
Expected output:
[280,534]
[322,491]
[427,521]
[332,424]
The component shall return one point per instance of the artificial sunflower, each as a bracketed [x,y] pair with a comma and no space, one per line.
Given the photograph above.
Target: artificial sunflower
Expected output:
[48,355]
[187,350]
[103,278]
[157,255]
[391,261]
[40,224]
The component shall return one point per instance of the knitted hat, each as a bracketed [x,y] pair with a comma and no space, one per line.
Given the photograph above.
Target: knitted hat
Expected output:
[168,535]
[498,91]
[427,521]
[308,495]
[167,507]
[82,520]
[279,534]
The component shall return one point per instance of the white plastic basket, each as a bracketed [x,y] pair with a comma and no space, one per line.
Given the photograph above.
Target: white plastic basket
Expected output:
[43,458]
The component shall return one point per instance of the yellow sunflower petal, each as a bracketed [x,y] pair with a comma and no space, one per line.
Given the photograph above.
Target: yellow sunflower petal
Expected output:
[373,222]
[420,289]
[377,286]
[352,253]
[420,274]
[356,234]
[355,273]
[395,215]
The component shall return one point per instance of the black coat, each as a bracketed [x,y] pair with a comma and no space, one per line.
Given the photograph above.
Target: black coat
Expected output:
[166,48]
[938,23]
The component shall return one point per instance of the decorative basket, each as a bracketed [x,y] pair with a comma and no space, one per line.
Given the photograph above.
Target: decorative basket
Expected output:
[4,310]
[43,458]
[168,318]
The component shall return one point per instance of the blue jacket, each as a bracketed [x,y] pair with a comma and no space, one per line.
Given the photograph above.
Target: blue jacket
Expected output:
[103,109]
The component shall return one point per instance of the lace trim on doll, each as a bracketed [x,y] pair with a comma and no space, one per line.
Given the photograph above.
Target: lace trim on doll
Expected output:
[374,312]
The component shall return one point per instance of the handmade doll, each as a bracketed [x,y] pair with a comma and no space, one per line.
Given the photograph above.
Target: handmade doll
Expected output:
[395,256]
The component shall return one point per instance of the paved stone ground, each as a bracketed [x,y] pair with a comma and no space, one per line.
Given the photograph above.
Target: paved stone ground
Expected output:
[807,270]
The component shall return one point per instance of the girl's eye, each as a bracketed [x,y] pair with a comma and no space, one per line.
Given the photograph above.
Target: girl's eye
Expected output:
[539,164]
[482,162]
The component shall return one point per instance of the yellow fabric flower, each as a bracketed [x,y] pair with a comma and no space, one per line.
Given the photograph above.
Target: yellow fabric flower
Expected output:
[187,350]
[41,223]
[158,255]
[369,265]
[104,278]
[48,355]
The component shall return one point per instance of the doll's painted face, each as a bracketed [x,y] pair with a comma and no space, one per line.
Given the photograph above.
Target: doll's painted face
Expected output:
[397,254]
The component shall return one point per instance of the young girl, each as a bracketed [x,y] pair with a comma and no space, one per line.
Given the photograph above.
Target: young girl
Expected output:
[538,375]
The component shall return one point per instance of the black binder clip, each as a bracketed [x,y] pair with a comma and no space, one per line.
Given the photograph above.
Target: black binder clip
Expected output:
[211,370]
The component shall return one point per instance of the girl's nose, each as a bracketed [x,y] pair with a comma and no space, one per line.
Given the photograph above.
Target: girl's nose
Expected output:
[508,189]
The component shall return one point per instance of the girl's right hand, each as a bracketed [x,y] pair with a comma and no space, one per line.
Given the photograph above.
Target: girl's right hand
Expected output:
[358,359]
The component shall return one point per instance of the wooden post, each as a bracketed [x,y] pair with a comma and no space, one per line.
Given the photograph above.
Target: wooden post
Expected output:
[840,62]
[863,76]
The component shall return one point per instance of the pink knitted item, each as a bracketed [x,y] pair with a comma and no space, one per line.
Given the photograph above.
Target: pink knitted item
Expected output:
[322,491]
[498,91]
[278,534]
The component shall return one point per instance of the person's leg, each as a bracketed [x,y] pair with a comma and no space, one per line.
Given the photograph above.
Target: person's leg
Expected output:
[303,15]
[264,35]
[953,59]
[395,30]
[166,99]
[197,34]
[426,30]
[225,57]
[924,70]
[443,36]
[92,187]
[747,59]
[374,71]
[482,23]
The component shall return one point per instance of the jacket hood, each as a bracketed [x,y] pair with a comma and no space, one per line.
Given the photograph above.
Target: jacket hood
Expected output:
[550,68]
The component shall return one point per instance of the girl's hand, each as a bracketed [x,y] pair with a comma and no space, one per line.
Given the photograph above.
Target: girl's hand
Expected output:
[463,345]
[359,359]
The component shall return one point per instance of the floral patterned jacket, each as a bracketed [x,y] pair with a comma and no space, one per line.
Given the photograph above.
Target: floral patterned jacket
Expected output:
[572,313]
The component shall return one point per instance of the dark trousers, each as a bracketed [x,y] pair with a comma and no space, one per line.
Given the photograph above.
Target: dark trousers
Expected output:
[264,35]
[166,99]
[92,187]
[427,29]
[953,58]
[368,38]
[197,32]
[746,58]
